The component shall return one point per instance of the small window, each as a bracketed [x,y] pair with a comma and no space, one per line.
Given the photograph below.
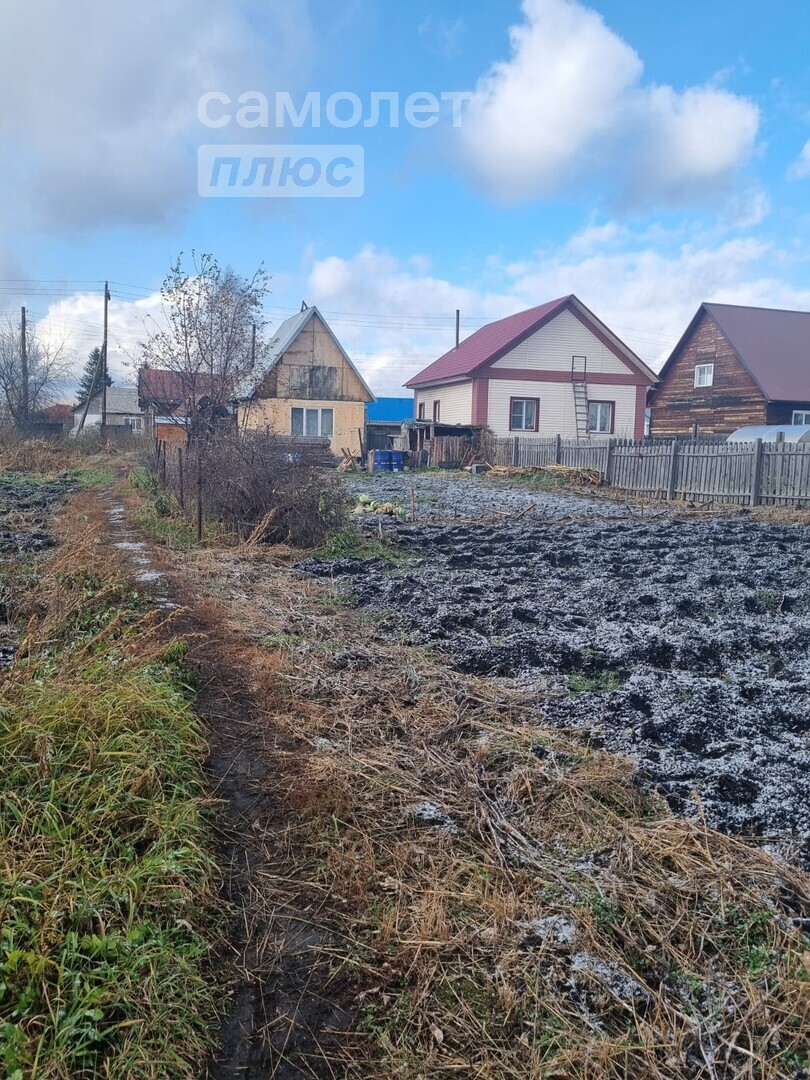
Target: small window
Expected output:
[312,422]
[437,411]
[704,374]
[801,416]
[523,414]
[421,413]
[600,417]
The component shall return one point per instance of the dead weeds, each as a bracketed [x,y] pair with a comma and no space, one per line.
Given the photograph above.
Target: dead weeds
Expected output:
[502,900]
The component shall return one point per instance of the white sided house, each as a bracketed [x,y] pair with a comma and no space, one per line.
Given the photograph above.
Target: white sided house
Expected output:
[552,370]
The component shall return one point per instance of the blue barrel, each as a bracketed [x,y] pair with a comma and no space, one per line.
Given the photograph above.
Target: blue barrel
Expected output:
[397,460]
[382,461]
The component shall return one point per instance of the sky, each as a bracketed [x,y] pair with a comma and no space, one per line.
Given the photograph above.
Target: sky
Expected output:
[645,157]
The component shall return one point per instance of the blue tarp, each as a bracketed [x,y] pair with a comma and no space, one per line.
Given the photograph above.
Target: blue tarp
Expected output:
[390,410]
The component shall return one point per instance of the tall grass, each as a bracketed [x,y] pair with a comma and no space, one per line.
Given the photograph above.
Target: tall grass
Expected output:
[104,870]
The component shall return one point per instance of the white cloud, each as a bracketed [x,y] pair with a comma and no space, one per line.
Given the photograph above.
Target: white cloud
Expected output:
[100,107]
[404,319]
[394,316]
[800,169]
[569,105]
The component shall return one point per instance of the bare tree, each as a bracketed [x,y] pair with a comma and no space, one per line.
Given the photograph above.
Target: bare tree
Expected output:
[212,340]
[30,378]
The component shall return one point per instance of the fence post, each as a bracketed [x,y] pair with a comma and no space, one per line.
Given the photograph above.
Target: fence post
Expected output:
[756,474]
[672,477]
[181,494]
[516,451]
[199,494]
[557,449]
[609,460]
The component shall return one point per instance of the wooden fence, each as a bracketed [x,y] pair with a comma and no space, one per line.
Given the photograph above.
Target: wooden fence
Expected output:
[749,473]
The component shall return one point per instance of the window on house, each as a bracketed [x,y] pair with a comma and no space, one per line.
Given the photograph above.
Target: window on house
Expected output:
[421,412]
[523,414]
[312,422]
[600,417]
[704,374]
[437,411]
[801,416]
[134,422]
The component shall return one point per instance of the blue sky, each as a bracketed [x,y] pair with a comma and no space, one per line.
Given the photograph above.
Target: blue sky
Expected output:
[646,157]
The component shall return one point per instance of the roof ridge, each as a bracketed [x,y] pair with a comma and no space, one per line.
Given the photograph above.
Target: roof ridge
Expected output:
[756,307]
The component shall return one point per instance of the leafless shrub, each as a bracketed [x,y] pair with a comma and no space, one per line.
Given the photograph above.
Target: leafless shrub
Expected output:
[268,489]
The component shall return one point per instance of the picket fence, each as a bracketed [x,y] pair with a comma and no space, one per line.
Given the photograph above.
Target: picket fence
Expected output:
[749,473]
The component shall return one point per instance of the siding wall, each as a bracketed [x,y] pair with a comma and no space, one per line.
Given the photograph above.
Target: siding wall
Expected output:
[456,402]
[557,415]
[273,414]
[733,401]
[552,347]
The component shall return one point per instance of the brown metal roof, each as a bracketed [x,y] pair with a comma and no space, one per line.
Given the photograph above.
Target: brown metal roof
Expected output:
[496,339]
[772,345]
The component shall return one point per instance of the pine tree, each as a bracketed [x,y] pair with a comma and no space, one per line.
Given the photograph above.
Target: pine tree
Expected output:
[91,381]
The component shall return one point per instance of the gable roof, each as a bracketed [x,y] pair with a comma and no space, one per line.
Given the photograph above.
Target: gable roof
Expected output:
[498,338]
[771,344]
[120,399]
[157,386]
[288,331]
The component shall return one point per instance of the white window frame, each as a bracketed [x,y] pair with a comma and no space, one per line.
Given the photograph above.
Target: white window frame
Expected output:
[304,409]
[523,401]
[134,422]
[702,381]
[603,408]
[804,413]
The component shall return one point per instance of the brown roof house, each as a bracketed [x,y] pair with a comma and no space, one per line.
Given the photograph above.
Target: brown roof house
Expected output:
[555,369]
[735,367]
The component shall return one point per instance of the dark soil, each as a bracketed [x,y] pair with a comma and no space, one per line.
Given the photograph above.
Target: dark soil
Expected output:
[682,644]
[27,506]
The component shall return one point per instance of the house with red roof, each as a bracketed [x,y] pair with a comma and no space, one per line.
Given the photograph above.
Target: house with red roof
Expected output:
[735,367]
[555,369]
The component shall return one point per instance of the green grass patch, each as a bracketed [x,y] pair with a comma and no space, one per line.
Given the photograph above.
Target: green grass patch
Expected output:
[174,532]
[97,477]
[600,682]
[351,544]
[105,917]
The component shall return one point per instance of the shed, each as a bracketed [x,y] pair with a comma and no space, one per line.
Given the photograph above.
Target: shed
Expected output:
[789,433]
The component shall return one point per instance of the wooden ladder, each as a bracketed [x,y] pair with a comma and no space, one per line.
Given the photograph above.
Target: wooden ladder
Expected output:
[579,365]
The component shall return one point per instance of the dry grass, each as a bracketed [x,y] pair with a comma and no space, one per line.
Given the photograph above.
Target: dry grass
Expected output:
[508,902]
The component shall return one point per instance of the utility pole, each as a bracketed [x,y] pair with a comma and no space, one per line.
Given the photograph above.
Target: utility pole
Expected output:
[253,349]
[23,372]
[458,326]
[104,362]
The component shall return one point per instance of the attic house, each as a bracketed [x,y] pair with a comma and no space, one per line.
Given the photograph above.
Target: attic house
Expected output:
[308,387]
[735,367]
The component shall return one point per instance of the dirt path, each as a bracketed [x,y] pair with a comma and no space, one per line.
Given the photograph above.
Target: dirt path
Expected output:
[280,1017]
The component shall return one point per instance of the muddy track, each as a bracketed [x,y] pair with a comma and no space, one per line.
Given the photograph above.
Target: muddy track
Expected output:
[280,1019]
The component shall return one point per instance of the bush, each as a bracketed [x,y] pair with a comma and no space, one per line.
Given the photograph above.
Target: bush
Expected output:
[265,487]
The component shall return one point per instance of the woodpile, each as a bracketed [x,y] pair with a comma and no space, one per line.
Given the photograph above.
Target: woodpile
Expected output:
[575,476]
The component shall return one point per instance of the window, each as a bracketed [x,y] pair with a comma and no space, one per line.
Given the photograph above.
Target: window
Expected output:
[134,422]
[437,411]
[704,374]
[312,422]
[421,412]
[801,416]
[600,417]
[523,413]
